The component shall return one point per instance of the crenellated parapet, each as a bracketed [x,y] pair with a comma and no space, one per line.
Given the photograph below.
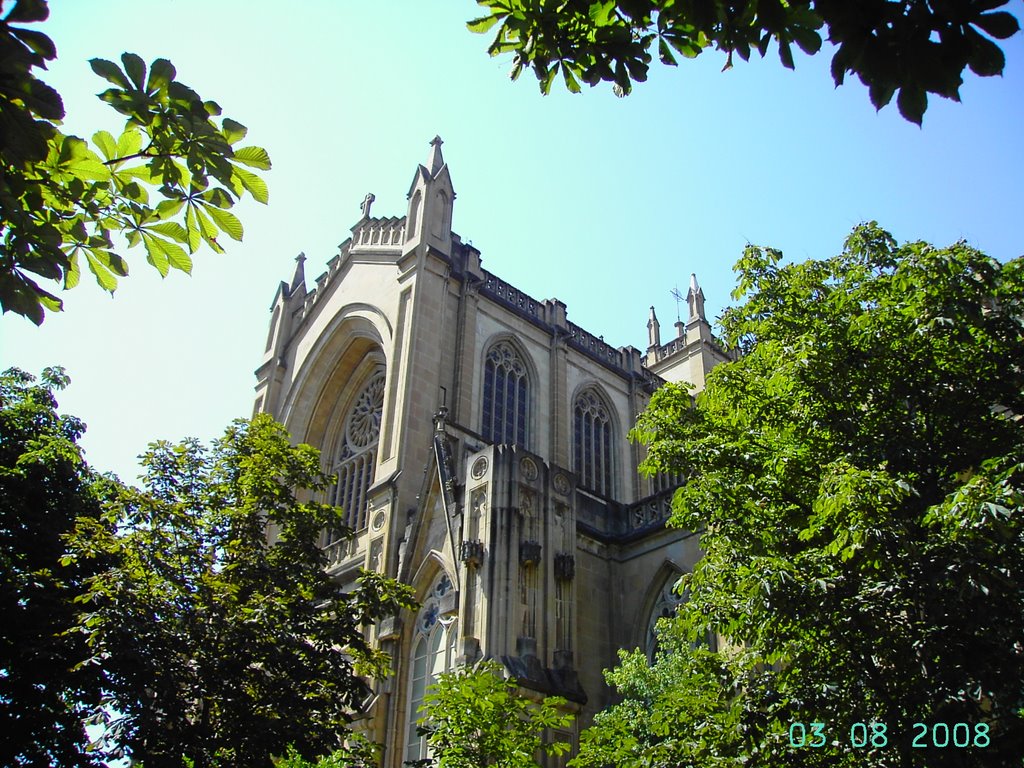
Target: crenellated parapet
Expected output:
[373,234]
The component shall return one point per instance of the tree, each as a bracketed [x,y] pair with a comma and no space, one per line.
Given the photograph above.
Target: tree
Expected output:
[44,488]
[858,476]
[474,716]
[167,181]
[358,752]
[217,644]
[915,47]
[680,710]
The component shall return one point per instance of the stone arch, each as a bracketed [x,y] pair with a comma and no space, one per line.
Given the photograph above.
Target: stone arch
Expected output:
[655,604]
[415,211]
[442,214]
[532,384]
[429,644]
[602,464]
[355,332]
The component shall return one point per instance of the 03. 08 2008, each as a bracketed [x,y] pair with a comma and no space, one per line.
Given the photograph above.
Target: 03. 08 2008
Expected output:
[876,735]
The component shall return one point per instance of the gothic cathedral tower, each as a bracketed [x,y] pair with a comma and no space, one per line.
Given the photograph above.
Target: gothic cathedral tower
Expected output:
[479,442]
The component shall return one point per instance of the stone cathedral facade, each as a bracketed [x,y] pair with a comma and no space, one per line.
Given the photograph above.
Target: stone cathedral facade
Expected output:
[480,443]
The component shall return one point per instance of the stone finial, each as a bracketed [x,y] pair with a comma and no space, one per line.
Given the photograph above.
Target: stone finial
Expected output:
[653,331]
[367,202]
[435,159]
[299,277]
[695,300]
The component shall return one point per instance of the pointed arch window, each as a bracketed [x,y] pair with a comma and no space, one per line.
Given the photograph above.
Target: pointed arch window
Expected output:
[506,407]
[433,651]
[666,605]
[356,452]
[592,443]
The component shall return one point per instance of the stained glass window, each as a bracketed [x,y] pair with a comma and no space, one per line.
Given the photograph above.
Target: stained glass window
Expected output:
[593,455]
[356,453]
[433,649]
[506,408]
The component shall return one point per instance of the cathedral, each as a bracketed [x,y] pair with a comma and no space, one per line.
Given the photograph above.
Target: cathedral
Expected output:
[479,439]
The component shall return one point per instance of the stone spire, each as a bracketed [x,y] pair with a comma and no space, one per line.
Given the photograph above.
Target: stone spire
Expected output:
[431,197]
[695,300]
[299,278]
[436,159]
[653,331]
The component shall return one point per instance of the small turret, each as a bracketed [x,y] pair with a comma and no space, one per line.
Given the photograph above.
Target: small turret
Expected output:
[431,196]
[653,331]
[695,300]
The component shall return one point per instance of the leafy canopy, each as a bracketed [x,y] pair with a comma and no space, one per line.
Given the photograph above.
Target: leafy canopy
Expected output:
[44,488]
[474,716]
[218,644]
[913,48]
[858,476]
[167,182]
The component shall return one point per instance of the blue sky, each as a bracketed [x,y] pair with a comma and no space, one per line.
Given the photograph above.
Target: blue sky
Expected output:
[604,203]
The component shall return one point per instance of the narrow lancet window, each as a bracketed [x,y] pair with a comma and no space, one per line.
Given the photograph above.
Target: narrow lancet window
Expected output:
[506,396]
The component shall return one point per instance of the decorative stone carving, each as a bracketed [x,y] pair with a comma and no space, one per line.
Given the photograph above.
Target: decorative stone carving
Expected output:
[376,555]
[529,552]
[472,552]
[478,503]
[363,423]
[565,566]
[561,483]
[526,503]
[448,606]
[529,469]
[479,468]
[389,628]
[378,520]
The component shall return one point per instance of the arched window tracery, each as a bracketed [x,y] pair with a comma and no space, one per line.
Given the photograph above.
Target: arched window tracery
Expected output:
[666,605]
[355,456]
[593,451]
[433,651]
[506,391]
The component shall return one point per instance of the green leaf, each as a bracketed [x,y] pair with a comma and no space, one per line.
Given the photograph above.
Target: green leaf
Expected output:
[912,103]
[601,13]
[161,74]
[110,72]
[156,254]
[218,197]
[73,273]
[192,228]
[881,93]
[98,265]
[28,11]
[254,157]
[165,209]
[233,132]
[665,53]
[35,40]
[135,67]
[207,229]
[1000,25]
[129,142]
[106,143]
[786,54]
[172,229]
[985,58]
[250,181]
[227,221]
[570,80]
[483,23]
